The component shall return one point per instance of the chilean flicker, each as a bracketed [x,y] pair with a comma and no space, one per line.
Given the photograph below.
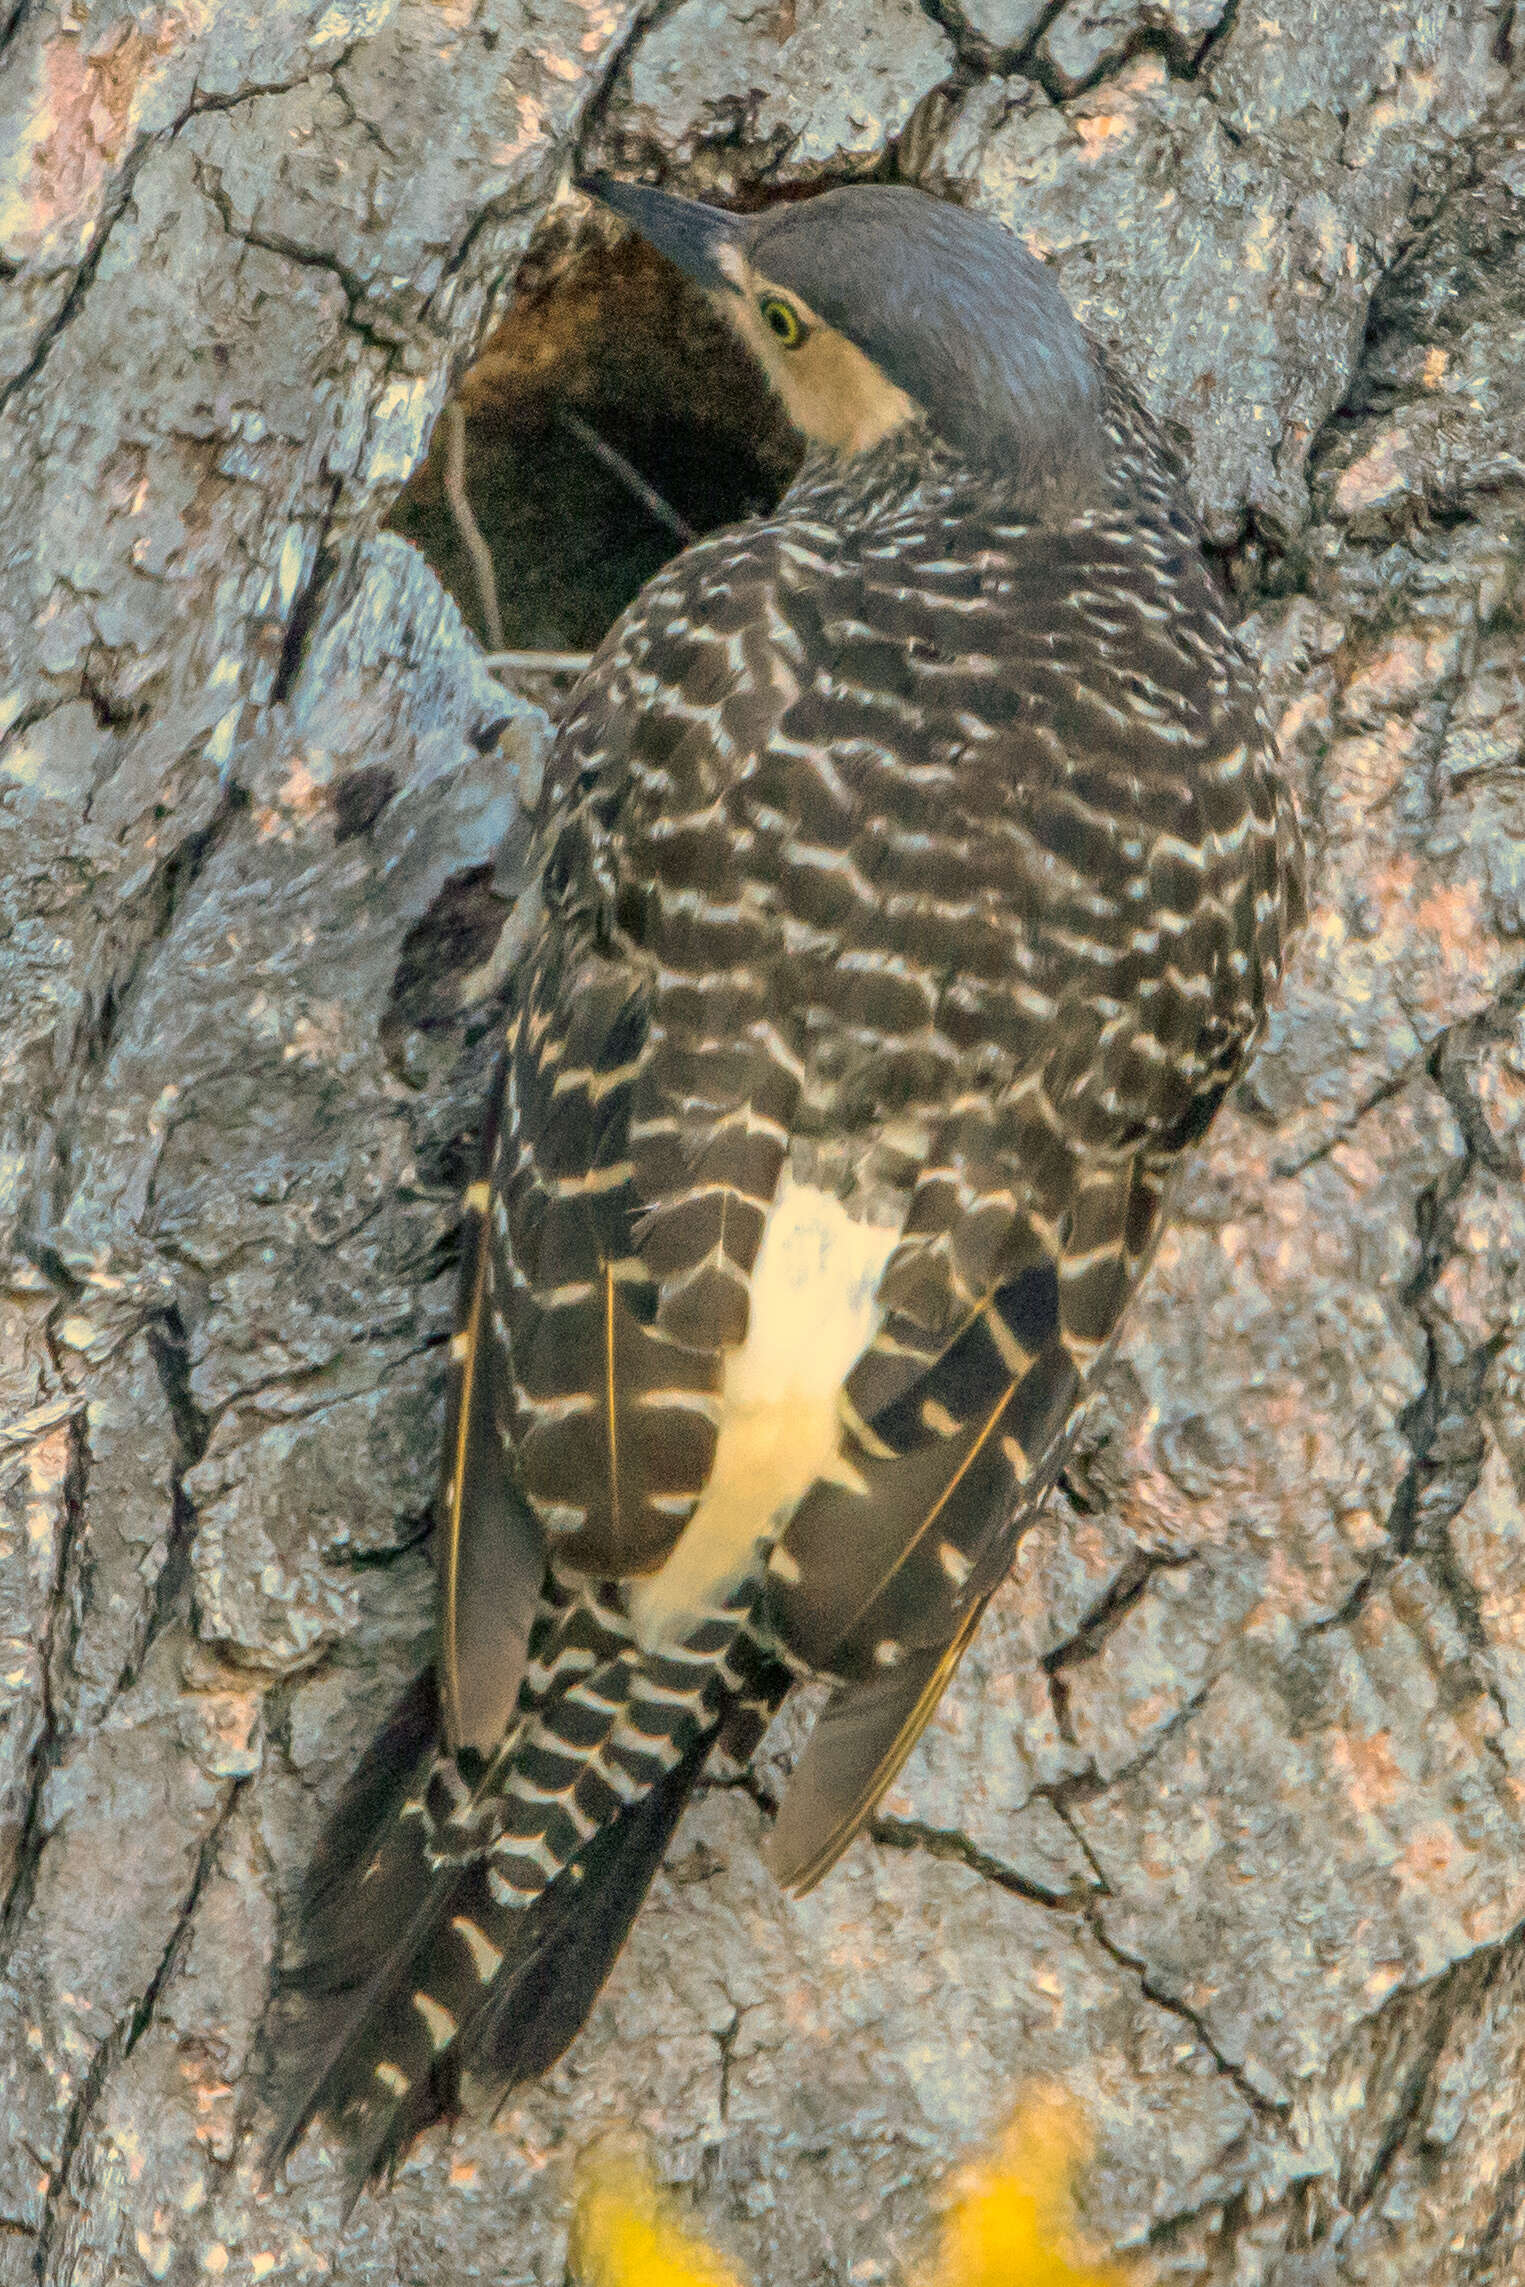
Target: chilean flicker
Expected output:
[917,876]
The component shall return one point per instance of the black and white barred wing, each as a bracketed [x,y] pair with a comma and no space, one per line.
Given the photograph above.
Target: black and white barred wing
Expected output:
[483,1867]
[1107,926]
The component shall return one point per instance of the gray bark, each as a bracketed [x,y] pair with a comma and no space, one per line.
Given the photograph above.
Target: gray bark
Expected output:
[1224,1824]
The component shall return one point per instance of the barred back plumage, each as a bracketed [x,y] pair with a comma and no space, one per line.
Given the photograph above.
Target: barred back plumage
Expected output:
[917,877]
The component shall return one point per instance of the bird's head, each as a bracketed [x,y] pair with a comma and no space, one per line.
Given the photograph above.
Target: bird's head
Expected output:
[875,303]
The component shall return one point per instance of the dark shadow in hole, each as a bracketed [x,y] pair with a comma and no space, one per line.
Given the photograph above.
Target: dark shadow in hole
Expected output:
[612,334]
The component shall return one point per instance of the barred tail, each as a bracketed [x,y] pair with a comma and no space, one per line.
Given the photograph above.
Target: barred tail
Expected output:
[412,1981]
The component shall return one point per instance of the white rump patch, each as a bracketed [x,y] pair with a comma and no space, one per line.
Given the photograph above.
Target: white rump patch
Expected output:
[811,1316]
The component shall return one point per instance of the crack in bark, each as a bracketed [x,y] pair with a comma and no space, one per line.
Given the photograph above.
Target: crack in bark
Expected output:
[1431,195]
[1287,1171]
[90,1051]
[69,308]
[120,2044]
[1215,40]
[117,204]
[647,18]
[362,319]
[200,105]
[13,23]
[166,1338]
[1061,1810]
[1442,1426]
[1142,40]
[167,1344]
[293,1380]
[739,1782]
[1128,1587]
[1450,1057]
[307,602]
[144,922]
[42,710]
[591,117]
[1085,1786]
[496,210]
[981,55]
[981,58]
[50,1739]
[357,118]
[725,2041]
[949,1845]
[1442,2010]
[162,899]
[913,1834]
[1508,2199]
[1445,2010]
[1264,2107]
[960,1849]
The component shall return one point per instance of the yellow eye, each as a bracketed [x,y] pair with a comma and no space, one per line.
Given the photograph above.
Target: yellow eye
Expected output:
[783,319]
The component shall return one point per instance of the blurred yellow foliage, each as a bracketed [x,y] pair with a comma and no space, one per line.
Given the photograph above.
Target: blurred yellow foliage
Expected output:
[624,2234]
[1012,2222]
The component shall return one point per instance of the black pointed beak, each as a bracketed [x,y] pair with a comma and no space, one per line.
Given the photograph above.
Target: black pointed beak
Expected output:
[688,233]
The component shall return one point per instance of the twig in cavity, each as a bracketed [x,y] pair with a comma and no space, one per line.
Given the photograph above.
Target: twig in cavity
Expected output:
[466,524]
[538,662]
[648,496]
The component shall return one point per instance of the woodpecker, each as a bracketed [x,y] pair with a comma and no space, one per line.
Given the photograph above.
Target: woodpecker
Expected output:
[917,876]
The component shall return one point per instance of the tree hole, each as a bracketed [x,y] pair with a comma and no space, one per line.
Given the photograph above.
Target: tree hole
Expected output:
[606,346]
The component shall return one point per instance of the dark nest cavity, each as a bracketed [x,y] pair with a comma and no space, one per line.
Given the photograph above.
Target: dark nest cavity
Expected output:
[610,417]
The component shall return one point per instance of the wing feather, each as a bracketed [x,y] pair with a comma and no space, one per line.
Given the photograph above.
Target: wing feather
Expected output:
[891,1565]
[854,1754]
[883,1587]
[491,1546]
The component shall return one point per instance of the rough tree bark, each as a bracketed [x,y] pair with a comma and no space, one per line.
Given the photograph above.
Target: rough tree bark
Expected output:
[1225,1823]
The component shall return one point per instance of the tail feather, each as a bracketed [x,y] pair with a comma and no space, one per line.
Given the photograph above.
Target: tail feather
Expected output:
[412,1976]
[371,1793]
[582,1921]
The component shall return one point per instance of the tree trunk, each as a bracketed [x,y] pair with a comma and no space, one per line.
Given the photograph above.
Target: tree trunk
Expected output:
[1224,1824]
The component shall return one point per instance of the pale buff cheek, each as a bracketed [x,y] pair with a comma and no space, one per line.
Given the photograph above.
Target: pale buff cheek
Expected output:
[812,1315]
[839,397]
[833,394]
